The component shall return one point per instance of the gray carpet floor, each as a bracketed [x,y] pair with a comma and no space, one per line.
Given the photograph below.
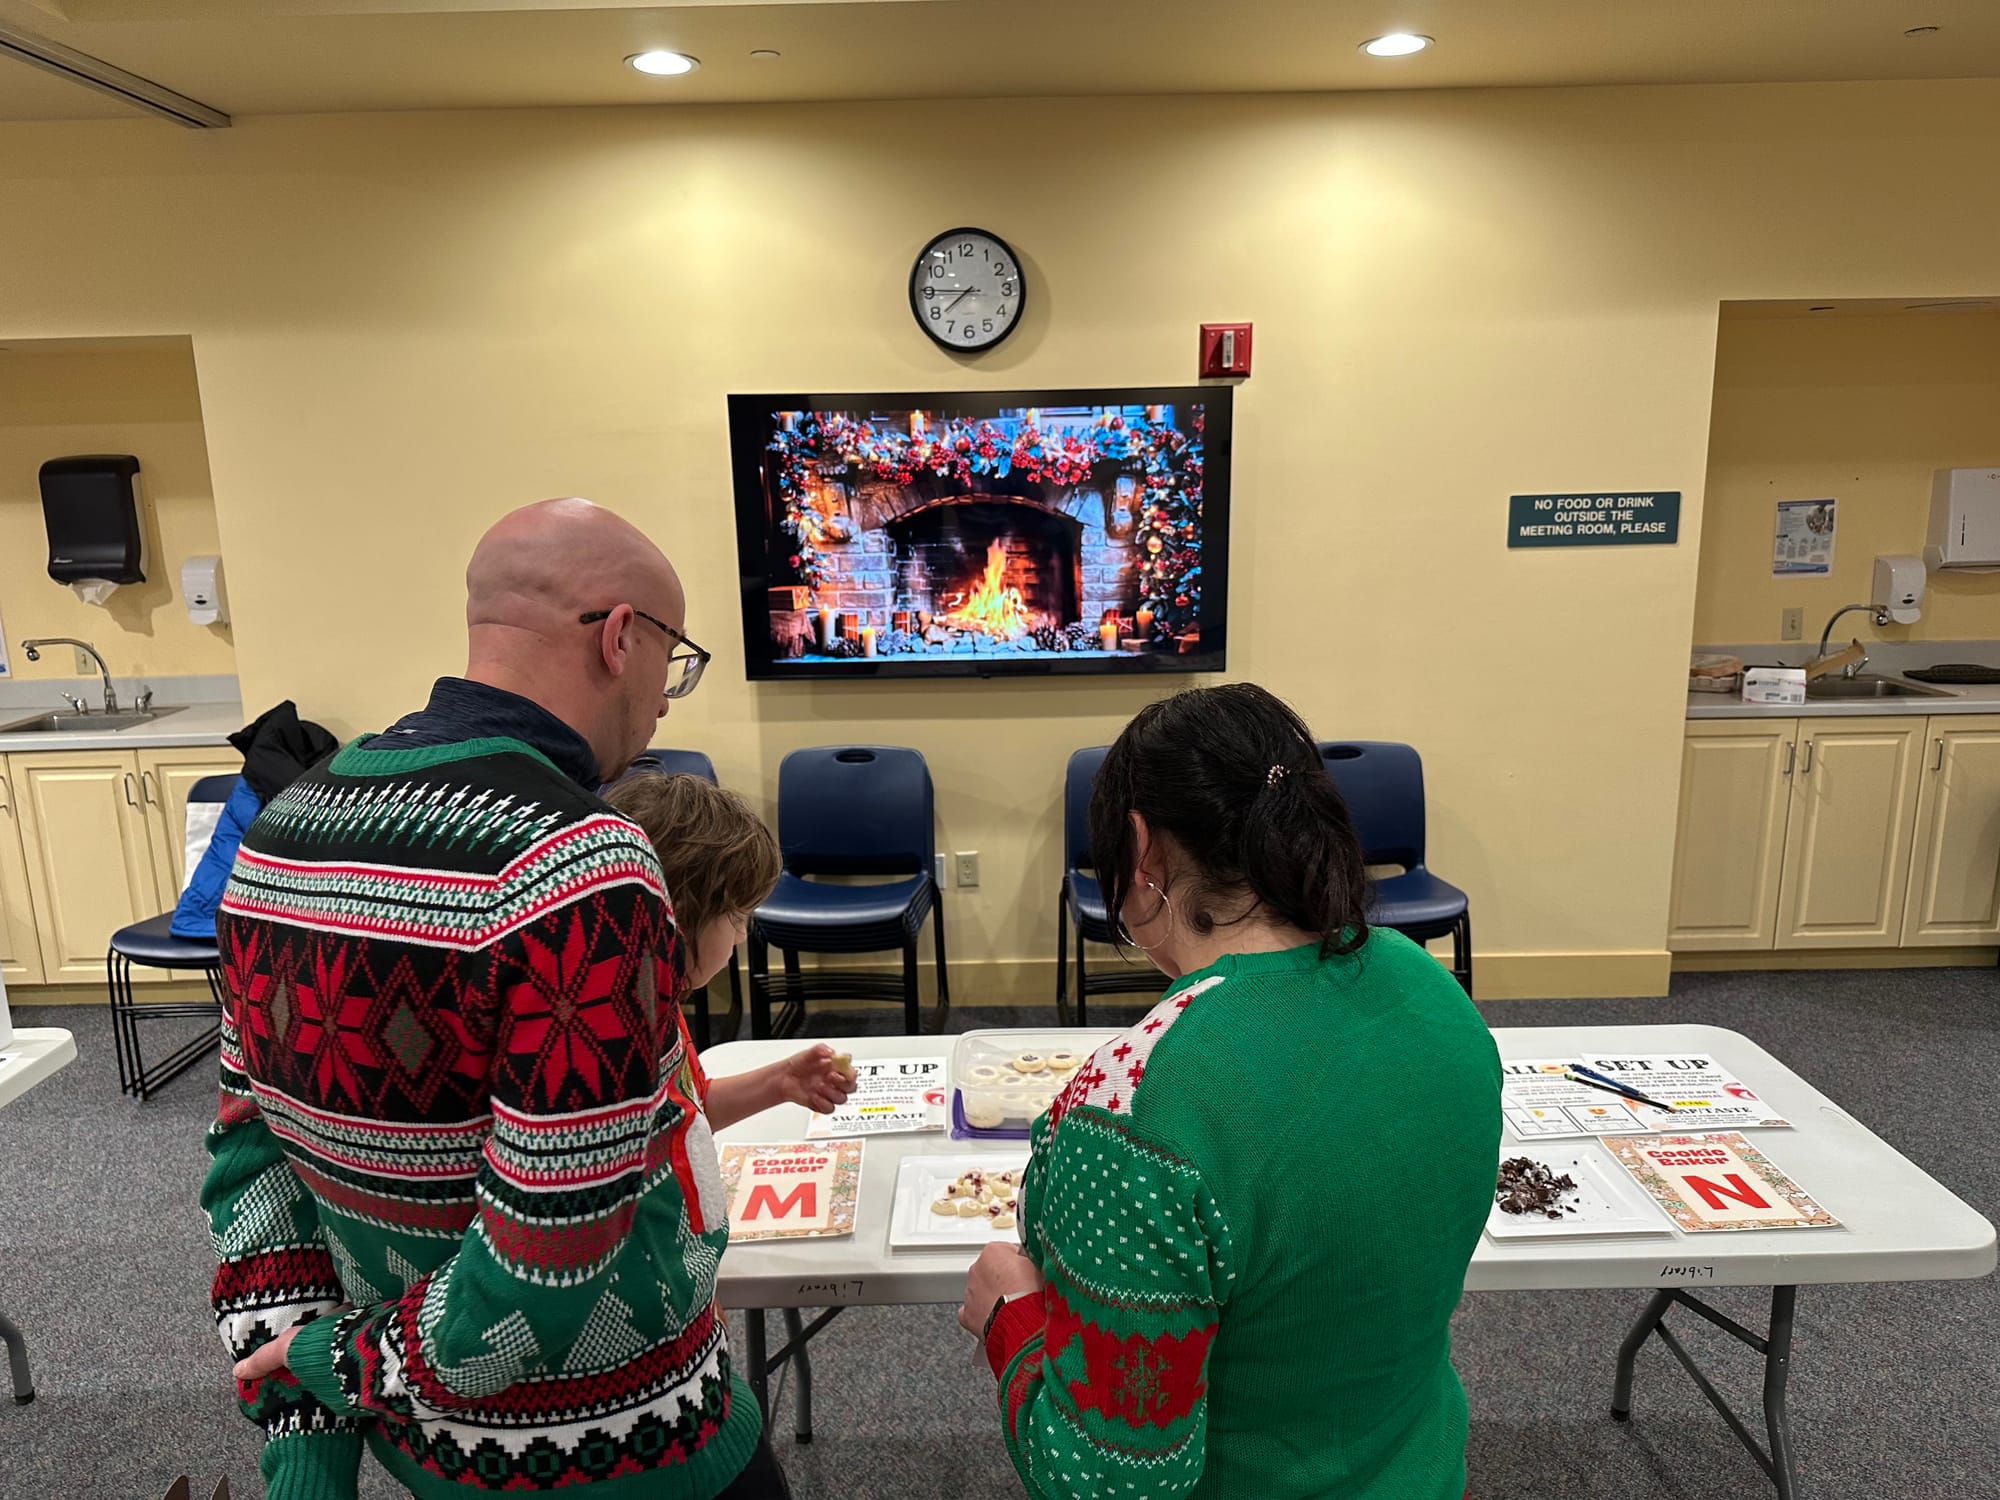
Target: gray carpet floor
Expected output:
[1896,1389]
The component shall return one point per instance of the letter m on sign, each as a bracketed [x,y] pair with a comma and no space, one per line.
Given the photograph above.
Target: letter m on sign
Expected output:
[1712,1193]
[802,1202]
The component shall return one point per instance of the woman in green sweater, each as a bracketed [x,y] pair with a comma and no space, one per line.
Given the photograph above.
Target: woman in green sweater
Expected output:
[1247,1221]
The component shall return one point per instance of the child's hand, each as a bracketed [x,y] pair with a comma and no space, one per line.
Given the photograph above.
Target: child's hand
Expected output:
[818,1078]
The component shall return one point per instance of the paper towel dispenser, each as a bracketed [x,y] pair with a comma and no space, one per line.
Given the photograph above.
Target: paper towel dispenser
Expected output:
[90,504]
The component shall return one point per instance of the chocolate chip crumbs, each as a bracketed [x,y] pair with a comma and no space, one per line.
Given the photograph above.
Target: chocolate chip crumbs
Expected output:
[1526,1186]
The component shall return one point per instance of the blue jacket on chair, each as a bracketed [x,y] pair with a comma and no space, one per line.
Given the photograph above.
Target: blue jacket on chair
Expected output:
[194,914]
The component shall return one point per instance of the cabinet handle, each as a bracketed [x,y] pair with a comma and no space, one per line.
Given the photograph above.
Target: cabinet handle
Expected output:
[1806,769]
[1791,755]
[6,796]
[1938,764]
[146,788]
[127,779]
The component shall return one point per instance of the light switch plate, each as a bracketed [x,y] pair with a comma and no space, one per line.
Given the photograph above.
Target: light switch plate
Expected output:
[941,877]
[1794,625]
[85,667]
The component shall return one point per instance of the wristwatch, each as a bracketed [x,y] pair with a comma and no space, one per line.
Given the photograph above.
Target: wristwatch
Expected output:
[999,1302]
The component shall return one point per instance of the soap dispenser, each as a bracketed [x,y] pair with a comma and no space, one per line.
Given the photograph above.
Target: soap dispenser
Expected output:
[1899,589]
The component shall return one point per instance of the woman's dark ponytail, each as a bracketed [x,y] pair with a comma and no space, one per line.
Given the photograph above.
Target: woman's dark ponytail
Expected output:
[1233,776]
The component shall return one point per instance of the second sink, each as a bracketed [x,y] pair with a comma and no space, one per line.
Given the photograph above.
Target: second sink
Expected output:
[70,723]
[1871,687]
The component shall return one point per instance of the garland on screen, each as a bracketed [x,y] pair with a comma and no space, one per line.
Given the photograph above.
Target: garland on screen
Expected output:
[1166,462]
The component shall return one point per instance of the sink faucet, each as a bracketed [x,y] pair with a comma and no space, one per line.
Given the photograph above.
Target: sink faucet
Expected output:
[34,654]
[1879,615]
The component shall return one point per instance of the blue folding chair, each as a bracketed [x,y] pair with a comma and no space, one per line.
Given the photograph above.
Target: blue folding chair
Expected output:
[151,944]
[1383,785]
[1080,904]
[694,763]
[845,811]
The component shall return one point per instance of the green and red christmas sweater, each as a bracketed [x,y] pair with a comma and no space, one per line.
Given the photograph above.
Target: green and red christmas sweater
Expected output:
[461,1131]
[1254,1212]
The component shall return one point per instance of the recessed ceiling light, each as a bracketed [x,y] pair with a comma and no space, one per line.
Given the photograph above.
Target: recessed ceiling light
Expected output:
[765,54]
[1921,31]
[1396,44]
[1823,307]
[663,64]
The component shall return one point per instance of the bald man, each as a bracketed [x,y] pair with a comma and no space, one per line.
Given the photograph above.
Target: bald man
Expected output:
[464,1198]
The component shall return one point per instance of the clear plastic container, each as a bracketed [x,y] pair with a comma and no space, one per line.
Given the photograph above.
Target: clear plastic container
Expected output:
[1001,1080]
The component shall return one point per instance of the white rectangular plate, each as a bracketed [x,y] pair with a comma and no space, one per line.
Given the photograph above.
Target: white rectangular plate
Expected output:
[1608,1202]
[920,1180]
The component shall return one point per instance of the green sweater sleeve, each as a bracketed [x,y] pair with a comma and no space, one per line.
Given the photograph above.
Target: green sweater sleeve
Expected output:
[584,992]
[1103,1381]
[272,1272]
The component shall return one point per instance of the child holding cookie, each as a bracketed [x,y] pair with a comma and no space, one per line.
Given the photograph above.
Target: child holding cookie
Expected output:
[720,862]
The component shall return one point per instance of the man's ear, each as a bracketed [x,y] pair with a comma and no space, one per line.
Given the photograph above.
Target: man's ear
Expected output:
[614,639]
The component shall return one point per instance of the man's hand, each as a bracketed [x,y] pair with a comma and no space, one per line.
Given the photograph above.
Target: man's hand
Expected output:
[819,1078]
[269,1359]
[1000,1271]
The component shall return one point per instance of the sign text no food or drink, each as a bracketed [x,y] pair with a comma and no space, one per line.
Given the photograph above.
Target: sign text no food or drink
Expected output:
[1626,519]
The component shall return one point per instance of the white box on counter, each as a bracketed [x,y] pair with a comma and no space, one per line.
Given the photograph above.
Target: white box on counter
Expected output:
[1774,685]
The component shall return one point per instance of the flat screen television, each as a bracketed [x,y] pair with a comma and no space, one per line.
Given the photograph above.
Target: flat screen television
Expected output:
[990,533]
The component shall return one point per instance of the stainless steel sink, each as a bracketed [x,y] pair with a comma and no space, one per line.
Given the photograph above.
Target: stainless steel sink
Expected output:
[1865,686]
[73,723]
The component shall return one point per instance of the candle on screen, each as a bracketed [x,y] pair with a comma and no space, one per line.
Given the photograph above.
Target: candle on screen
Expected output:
[825,626]
[1145,620]
[867,640]
[1108,634]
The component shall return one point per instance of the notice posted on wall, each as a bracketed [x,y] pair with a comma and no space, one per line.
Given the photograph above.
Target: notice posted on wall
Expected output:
[1804,545]
[894,1096]
[796,1190]
[1540,1101]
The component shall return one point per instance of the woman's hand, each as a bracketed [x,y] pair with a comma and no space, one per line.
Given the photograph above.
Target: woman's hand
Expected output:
[1000,1271]
[818,1078]
[269,1358]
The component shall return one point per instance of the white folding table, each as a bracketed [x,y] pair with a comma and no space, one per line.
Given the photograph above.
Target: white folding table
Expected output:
[27,1057]
[1898,1224]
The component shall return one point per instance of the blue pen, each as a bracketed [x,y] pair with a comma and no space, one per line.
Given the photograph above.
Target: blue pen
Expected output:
[1590,1075]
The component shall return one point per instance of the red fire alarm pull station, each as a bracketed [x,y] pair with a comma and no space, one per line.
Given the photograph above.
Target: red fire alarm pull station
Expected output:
[1225,349]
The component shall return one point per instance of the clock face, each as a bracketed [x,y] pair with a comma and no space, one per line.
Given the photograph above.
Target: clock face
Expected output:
[967,289]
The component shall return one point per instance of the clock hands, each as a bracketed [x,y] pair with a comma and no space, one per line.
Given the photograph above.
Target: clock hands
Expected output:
[960,298]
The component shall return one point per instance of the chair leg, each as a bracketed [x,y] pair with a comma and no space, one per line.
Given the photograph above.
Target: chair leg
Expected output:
[943,970]
[114,972]
[795,991]
[913,1021]
[760,987]
[735,996]
[1062,953]
[1461,951]
[1082,980]
[700,1001]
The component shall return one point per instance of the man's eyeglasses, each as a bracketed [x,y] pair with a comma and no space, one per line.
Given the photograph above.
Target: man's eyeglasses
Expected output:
[691,658]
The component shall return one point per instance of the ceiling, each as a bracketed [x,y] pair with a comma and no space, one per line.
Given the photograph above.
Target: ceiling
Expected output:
[305,56]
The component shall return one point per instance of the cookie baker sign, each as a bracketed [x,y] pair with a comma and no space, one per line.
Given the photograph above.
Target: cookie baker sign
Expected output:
[792,1190]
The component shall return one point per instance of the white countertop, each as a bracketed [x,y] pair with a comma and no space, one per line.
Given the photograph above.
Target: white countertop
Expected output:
[1885,659]
[195,724]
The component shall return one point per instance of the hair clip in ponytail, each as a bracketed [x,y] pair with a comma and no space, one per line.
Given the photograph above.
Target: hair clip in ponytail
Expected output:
[1276,774]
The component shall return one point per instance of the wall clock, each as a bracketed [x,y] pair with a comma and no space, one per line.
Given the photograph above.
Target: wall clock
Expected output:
[967,290]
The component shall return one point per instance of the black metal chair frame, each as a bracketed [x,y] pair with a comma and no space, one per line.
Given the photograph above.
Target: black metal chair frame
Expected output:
[1141,979]
[128,1011]
[793,989]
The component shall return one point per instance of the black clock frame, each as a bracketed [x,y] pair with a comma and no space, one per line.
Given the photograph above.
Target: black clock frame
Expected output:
[917,272]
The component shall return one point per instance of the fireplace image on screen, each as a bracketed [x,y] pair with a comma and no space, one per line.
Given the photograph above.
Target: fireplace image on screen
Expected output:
[966,533]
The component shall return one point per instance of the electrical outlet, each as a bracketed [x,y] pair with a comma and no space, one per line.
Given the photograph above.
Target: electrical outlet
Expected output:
[85,667]
[968,867]
[1794,625]
[941,877]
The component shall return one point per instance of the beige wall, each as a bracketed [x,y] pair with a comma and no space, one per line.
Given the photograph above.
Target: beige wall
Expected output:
[141,401]
[405,324]
[1861,408]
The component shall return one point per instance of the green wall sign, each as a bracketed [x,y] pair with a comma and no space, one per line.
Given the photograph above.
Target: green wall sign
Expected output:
[1642,518]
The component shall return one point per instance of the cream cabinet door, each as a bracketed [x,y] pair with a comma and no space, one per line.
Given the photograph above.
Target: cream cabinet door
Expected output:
[1736,777]
[1955,860]
[1847,847]
[165,779]
[20,953]
[90,857]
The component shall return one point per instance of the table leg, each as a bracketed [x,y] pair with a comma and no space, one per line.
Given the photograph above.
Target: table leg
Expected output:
[1780,1464]
[17,1360]
[802,1377]
[755,1371]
